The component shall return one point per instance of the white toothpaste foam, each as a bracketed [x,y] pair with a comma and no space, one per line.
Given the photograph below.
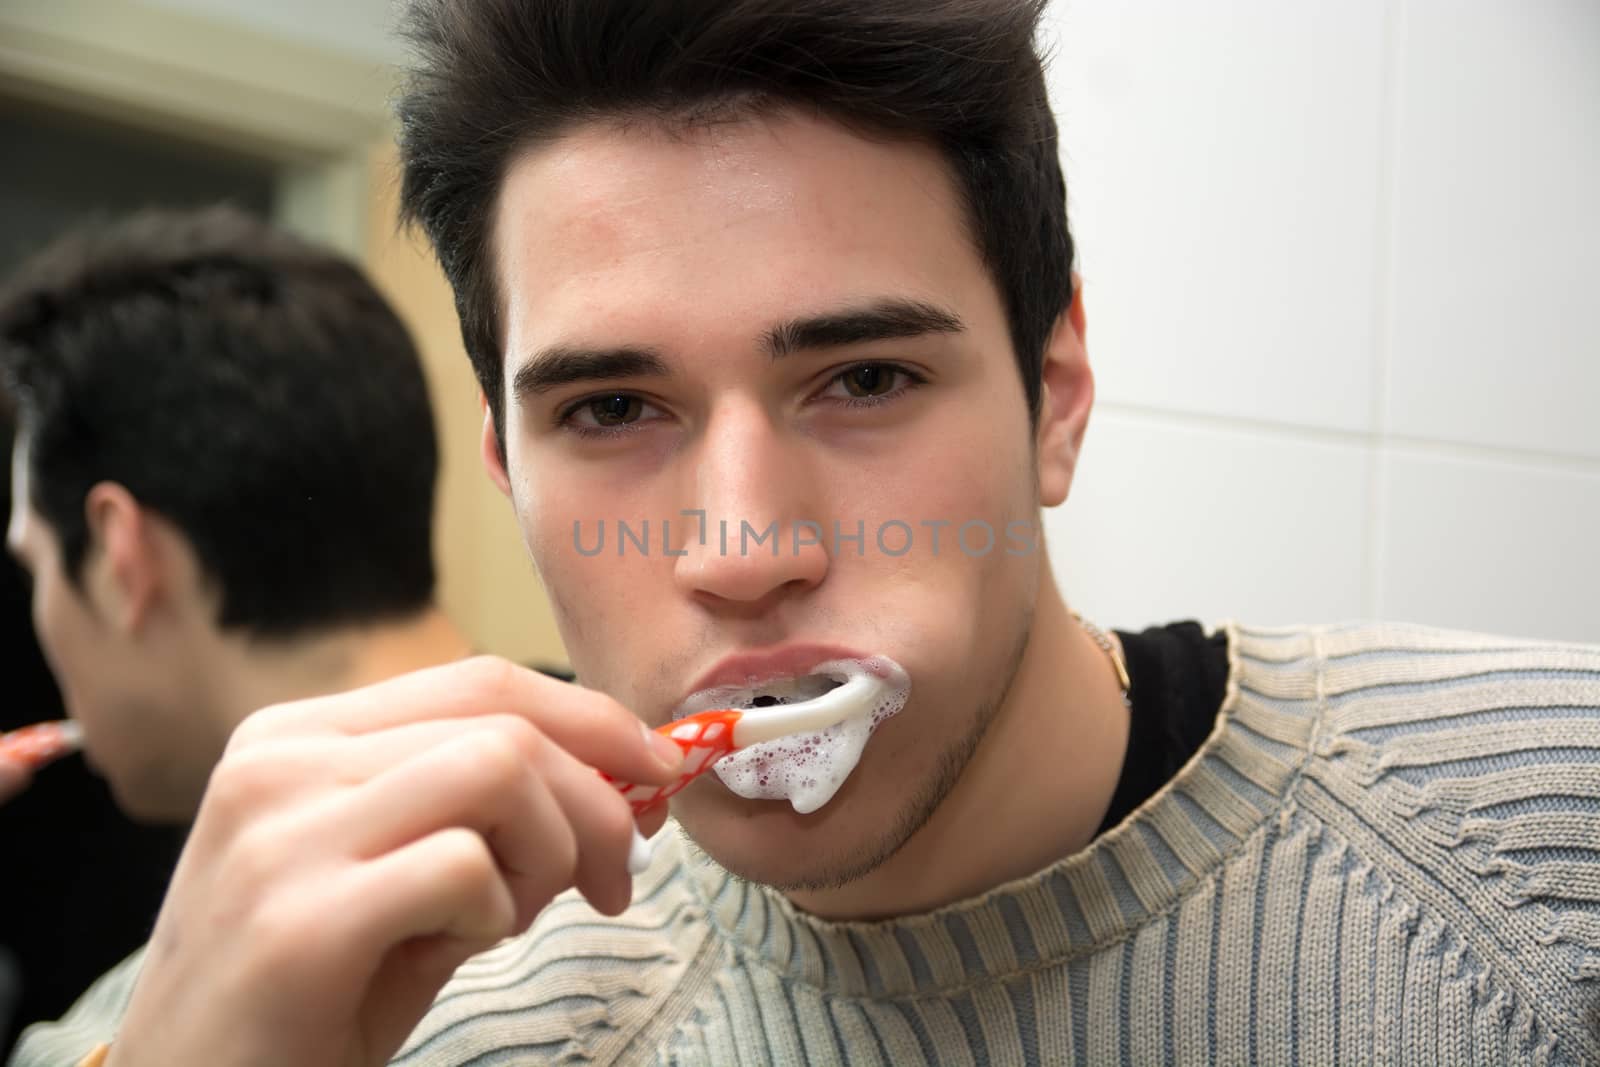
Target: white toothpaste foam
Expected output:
[807,769]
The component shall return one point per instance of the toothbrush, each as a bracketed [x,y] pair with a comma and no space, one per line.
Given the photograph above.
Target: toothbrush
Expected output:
[41,744]
[709,735]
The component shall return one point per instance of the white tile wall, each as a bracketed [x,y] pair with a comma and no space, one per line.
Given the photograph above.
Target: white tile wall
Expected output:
[1224,200]
[1491,545]
[1496,225]
[1342,267]
[1175,519]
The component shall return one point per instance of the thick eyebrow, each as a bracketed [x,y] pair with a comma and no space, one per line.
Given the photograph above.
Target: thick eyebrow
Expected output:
[559,365]
[563,364]
[886,320]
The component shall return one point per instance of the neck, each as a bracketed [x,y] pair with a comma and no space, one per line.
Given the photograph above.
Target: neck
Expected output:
[246,674]
[331,662]
[424,640]
[1045,771]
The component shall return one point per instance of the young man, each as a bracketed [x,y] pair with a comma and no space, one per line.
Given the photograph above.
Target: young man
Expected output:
[222,487]
[804,266]
[209,526]
[59,929]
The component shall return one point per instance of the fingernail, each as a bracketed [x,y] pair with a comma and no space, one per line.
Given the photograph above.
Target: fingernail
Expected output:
[640,853]
[666,750]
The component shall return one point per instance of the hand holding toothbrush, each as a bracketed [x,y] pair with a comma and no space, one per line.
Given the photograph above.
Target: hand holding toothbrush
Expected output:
[352,850]
[14,778]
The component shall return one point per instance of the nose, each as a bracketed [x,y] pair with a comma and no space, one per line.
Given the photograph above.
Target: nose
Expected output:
[751,537]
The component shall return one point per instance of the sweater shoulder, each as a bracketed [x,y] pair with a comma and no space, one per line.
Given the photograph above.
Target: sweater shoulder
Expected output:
[1422,698]
[577,986]
[1468,767]
[92,1019]
[1420,706]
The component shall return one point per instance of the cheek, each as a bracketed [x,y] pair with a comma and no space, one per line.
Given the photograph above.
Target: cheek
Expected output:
[539,534]
[555,518]
[570,535]
[50,625]
[593,592]
[962,490]
[66,639]
[969,592]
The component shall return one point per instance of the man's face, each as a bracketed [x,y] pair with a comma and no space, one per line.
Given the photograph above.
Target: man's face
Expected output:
[101,674]
[672,323]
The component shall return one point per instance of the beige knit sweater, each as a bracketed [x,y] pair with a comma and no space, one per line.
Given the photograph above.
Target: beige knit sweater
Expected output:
[1387,851]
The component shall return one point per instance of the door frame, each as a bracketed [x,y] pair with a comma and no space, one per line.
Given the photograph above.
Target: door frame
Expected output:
[310,113]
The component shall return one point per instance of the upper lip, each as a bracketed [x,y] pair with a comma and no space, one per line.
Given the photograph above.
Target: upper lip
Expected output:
[758,667]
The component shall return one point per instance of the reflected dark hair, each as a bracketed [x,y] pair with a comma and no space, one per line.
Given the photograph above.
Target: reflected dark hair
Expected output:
[253,389]
[494,77]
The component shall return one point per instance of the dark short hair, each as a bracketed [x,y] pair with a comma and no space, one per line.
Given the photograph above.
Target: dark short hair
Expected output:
[496,76]
[251,388]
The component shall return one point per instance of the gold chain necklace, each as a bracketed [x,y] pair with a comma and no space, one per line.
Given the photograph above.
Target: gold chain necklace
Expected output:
[1109,647]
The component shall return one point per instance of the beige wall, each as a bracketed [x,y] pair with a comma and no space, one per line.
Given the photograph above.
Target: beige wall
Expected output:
[487,582]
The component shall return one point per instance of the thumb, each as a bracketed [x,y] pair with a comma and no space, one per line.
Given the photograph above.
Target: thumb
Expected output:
[14,778]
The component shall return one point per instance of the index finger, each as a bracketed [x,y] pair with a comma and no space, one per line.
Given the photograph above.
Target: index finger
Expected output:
[14,779]
[589,725]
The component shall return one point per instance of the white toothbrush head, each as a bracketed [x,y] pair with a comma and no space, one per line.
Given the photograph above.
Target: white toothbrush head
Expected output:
[859,694]
[800,752]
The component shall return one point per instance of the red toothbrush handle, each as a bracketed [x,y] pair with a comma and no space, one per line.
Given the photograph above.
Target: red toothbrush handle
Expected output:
[704,738]
[37,745]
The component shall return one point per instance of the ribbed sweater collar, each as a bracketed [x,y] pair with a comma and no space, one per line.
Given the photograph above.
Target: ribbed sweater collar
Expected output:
[1138,869]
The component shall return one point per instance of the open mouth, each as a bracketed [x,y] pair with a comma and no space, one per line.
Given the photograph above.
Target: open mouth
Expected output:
[774,692]
[785,691]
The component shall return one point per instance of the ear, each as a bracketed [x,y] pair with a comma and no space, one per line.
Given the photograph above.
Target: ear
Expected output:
[1067,396]
[123,569]
[494,460]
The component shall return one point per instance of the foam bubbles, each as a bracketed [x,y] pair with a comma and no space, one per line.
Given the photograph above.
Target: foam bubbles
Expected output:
[808,769]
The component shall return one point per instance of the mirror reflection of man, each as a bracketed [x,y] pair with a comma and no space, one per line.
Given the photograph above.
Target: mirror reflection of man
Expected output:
[209,524]
[49,911]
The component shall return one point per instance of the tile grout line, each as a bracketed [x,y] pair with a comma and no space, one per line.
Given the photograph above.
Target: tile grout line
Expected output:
[1375,550]
[1396,444]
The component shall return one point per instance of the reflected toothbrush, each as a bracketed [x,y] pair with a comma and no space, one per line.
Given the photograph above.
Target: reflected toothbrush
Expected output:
[36,747]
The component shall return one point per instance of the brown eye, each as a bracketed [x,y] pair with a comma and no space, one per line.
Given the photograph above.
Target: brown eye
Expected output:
[869,379]
[615,410]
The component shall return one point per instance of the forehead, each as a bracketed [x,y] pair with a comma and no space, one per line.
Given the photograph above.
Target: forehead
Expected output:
[633,226]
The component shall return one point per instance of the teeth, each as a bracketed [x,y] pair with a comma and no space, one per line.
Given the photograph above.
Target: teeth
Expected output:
[786,691]
[768,694]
